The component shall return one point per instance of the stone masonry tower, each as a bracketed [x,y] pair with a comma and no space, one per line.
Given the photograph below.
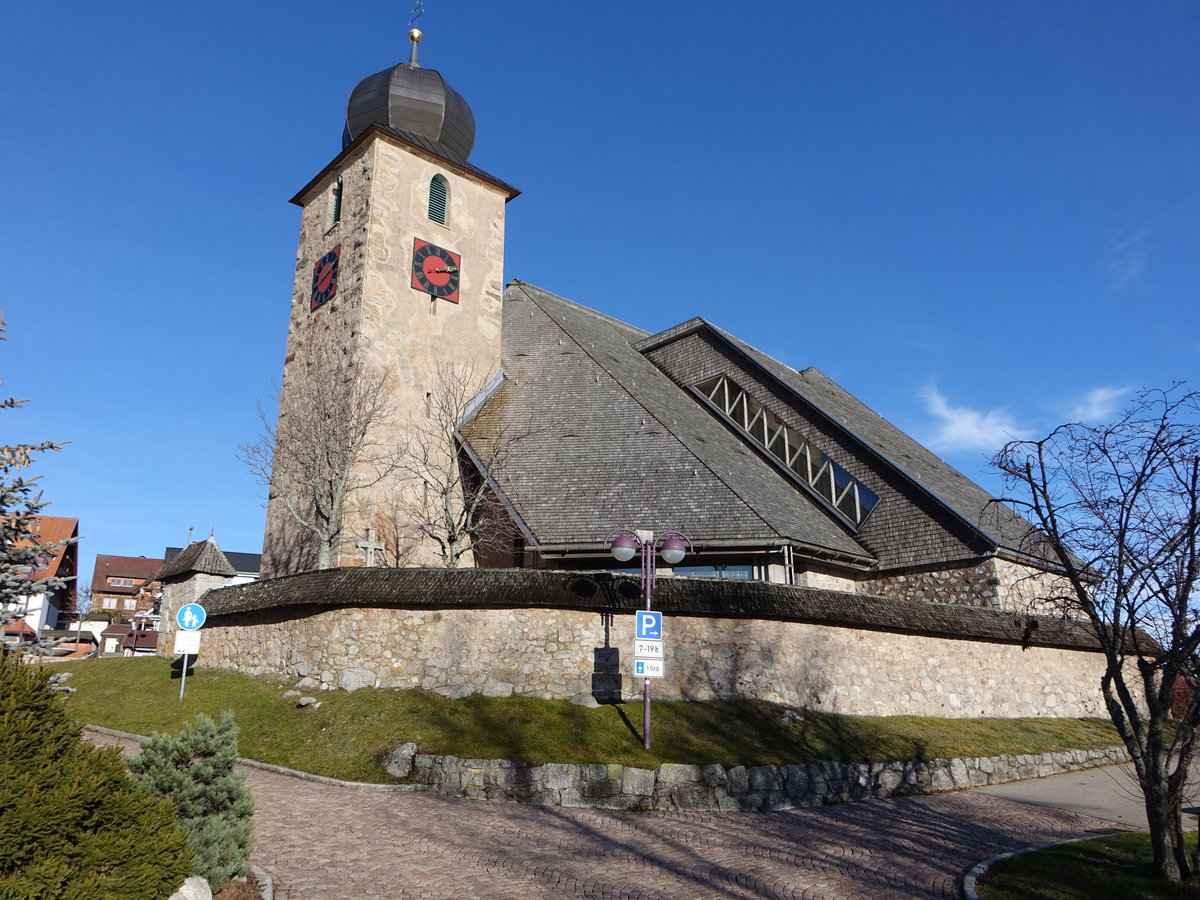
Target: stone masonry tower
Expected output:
[399,280]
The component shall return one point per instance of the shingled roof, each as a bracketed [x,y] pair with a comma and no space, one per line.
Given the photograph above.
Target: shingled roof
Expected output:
[203,556]
[974,506]
[415,588]
[612,441]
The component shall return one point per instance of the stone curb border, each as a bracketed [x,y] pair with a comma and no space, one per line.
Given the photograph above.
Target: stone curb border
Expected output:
[674,787]
[681,788]
[977,871]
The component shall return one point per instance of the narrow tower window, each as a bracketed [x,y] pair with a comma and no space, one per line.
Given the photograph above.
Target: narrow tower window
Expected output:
[335,207]
[439,193]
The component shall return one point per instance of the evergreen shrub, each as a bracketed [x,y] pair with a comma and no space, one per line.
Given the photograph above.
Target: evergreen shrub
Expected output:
[194,769]
[73,825]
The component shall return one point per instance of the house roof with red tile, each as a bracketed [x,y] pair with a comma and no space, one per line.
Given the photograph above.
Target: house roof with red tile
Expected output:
[53,531]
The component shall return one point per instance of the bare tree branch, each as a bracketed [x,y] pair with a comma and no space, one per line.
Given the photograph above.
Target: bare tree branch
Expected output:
[328,443]
[453,447]
[1119,506]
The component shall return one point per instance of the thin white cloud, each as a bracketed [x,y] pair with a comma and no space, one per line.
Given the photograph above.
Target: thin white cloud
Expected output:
[961,428]
[1099,404]
[1126,256]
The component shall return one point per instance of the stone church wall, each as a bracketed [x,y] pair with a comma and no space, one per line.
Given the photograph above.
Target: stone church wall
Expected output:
[554,653]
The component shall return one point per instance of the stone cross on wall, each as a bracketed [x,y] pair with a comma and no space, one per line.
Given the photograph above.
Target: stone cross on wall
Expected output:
[369,546]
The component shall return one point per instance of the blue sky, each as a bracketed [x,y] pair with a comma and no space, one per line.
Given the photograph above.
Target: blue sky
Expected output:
[981,219]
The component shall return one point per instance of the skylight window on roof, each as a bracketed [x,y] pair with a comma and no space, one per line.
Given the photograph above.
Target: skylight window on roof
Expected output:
[833,484]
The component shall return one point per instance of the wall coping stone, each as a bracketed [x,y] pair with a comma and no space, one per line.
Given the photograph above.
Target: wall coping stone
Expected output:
[303,594]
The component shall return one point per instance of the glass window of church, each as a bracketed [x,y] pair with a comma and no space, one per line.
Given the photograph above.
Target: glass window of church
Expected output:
[833,484]
[727,573]
[439,195]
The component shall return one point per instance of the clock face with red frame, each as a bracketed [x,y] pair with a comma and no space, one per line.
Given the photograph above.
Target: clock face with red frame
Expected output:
[435,271]
[325,278]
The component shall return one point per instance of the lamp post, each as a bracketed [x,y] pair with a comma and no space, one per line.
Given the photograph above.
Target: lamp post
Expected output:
[672,545]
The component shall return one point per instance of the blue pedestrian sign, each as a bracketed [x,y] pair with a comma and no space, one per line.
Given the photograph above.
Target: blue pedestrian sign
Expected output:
[649,625]
[190,616]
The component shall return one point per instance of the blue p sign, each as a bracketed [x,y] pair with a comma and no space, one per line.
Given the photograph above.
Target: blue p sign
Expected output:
[649,625]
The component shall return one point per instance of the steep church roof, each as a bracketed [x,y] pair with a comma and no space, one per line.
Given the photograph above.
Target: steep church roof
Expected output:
[611,437]
[610,441]
[996,523]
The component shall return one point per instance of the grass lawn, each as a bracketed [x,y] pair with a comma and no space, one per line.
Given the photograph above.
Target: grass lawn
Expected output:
[1109,868]
[351,732]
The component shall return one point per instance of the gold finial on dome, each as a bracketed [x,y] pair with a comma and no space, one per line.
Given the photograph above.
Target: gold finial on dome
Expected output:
[414,35]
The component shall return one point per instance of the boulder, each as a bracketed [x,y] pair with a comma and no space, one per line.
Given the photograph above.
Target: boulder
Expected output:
[353,679]
[194,888]
[400,761]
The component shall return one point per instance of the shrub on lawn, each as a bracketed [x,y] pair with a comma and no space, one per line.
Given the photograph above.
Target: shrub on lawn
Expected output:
[73,825]
[194,769]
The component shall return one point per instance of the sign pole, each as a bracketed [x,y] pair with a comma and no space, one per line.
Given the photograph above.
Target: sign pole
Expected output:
[189,618]
[648,582]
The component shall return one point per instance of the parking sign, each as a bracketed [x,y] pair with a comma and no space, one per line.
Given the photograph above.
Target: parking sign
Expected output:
[649,625]
[648,668]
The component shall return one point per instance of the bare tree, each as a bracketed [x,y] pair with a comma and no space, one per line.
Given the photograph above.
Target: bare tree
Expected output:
[1119,506]
[461,441]
[329,442]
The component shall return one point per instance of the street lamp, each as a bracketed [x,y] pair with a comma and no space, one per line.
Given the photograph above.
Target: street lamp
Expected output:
[672,546]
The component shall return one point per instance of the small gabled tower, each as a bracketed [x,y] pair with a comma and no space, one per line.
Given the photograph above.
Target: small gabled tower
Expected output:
[399,275]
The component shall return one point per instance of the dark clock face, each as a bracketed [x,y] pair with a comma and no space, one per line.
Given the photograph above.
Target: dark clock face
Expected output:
[435,271]
[325,277]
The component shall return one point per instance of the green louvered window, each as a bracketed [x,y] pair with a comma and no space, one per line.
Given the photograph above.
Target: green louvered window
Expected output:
[335,204]
[829,481]
[439,195]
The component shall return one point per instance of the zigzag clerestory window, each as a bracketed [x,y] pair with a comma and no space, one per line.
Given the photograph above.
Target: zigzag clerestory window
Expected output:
[830,482]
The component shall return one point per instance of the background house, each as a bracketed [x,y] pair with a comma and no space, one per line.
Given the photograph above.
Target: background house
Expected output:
[40,610]
[123,586]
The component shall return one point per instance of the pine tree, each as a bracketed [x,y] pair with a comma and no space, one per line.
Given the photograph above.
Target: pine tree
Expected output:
[73,825]
[194,769]
[20,503]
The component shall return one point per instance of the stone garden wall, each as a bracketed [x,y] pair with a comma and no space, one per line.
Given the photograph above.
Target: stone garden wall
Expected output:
[991,584]
[558,653]
[738,788]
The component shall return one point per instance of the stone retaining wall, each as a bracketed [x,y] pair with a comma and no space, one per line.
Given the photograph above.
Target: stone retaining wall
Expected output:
[552,653]
[739,788]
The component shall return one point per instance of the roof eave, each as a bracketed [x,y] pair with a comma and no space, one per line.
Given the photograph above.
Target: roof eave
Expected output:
[386,134]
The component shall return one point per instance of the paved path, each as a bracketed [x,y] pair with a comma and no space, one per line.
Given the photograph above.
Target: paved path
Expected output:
[1109,792]
[326,842]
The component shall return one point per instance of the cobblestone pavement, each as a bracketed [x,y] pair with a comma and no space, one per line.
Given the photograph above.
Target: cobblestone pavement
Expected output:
[327,842]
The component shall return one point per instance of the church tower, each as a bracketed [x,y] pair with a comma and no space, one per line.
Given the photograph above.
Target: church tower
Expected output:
[399,281]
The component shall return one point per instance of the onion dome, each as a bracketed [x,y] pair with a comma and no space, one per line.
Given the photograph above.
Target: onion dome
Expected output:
[409,98]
